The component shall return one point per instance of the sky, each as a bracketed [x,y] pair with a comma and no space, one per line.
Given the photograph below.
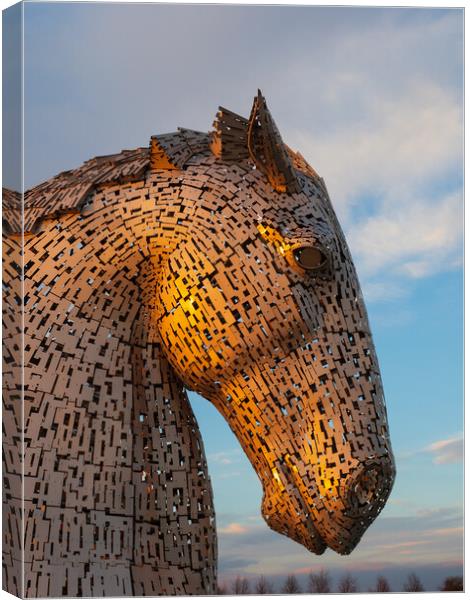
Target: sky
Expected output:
[372,97]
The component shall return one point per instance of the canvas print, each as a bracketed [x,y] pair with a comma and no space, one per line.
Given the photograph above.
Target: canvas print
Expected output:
[232,293]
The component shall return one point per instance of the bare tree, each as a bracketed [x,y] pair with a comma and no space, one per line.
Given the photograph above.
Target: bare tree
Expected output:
[319,583]
[382,585]
[348,584]
[241,586]
[221,590]
[453,584]
[413,584]
[263,586]
[291,585]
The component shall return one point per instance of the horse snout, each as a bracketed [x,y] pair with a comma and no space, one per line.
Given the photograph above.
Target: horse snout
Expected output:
[362,497]
[327,517]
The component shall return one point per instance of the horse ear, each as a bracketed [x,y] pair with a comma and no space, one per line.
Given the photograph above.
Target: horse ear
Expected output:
[267,149]
[229,138]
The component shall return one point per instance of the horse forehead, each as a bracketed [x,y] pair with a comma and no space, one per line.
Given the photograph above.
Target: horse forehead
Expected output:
[300,212]
[249,198]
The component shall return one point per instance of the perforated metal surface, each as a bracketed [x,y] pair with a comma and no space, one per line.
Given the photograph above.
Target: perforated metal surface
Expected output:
[162,269]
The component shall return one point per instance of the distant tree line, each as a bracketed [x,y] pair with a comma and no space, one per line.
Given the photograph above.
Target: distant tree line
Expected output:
[320,583]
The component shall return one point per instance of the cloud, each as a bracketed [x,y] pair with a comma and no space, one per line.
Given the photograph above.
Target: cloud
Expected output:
[404,143]
[447,451]
[233,529]
[225,458]
[417,240]
[230,564]
[229,475]
[383,290]
[448,531]
[401,545]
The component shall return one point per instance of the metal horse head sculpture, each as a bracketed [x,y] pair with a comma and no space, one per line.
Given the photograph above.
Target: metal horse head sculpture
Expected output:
[213,263]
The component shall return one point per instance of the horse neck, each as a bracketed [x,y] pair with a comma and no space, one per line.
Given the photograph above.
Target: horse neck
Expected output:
[107,423]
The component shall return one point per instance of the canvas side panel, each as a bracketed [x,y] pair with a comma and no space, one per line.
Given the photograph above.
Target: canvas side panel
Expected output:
[11,96]
[12,416]
[12,350]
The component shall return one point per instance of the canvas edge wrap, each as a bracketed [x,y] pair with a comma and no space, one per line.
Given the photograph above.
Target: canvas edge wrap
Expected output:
[12,343]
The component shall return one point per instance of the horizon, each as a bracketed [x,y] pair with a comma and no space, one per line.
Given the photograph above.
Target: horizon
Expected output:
[431,578]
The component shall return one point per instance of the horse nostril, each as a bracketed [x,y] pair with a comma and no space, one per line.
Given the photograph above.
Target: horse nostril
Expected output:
[370,488]
[366,486]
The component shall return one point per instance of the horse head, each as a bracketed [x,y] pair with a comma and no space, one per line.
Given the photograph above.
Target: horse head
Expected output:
[259,310]
[211,262]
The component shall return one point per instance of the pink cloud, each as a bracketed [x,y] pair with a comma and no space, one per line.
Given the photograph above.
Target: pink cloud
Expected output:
[233,529]
[447,451]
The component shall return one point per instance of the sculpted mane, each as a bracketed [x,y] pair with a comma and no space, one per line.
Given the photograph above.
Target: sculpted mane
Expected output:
[67,192]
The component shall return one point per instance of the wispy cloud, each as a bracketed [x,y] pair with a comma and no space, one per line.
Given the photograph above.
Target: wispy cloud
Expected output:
[447,451]
[403,545]
[416,240]
[404,144]
[226,458]
[233,529]
[383,290]
[229,475]
[445,531]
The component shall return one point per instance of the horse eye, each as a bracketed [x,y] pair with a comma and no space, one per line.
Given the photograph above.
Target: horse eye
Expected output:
[309,258]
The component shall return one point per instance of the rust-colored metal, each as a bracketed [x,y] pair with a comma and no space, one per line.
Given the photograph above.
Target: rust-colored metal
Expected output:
[167,268]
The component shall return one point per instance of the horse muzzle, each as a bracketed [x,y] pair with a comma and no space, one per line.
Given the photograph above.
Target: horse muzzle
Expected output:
[336,517]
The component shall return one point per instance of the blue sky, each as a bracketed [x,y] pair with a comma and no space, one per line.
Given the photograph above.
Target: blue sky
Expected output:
[372,98]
